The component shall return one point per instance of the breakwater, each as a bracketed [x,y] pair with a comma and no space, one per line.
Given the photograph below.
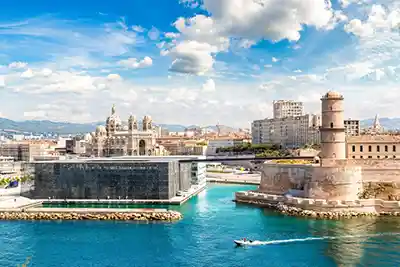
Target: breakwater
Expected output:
[92,215]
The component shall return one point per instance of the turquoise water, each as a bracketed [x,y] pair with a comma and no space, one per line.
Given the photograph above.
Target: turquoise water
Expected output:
[204,238]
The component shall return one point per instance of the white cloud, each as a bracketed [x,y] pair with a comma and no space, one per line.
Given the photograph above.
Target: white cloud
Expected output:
[138,28]
[2,82]
[379,20]
[27,74]
[136,64]
[18,65]
[209,86]
[192,57]
[274,59]
[171,35]
[113,76]
[154,34]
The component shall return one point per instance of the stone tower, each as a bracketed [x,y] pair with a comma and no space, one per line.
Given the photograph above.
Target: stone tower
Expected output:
[333,137]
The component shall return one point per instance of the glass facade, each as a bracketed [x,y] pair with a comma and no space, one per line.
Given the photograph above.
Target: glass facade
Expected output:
[110,179]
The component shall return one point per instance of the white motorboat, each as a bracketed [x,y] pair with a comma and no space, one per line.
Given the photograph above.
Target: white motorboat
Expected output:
[243,243]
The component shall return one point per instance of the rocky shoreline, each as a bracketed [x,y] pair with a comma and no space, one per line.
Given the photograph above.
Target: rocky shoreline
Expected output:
[115,216]
[330,215]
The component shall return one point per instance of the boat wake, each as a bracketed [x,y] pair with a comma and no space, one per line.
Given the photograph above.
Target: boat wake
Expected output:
[296,240]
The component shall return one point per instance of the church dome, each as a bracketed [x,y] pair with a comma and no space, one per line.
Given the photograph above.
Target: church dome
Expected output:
[88,137]
[100,129]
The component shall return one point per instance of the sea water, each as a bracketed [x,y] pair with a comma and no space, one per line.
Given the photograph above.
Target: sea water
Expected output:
[204,238]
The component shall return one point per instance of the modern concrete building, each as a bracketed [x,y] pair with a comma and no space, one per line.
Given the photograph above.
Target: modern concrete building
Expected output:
[287,108]
[143,178]
[352,127]
[333,135]
[291,132]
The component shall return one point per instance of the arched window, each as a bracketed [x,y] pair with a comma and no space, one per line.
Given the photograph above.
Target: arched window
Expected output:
[331,124]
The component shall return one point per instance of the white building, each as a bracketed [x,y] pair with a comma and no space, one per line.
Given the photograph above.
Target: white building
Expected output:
[287,108]
[292,132]
[214,145]
[352,127]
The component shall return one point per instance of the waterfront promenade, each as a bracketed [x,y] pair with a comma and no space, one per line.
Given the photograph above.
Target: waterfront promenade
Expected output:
[232,178]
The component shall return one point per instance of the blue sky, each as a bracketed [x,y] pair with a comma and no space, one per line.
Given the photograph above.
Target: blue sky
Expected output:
[196,61]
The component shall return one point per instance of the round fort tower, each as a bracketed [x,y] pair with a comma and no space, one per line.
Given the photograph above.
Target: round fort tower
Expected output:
[333,138]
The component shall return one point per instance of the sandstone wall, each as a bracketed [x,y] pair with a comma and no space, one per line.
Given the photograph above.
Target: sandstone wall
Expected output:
[334,183]
[280,178]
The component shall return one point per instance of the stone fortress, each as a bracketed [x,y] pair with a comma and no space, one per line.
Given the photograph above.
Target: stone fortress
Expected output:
[114,139]
[332,183]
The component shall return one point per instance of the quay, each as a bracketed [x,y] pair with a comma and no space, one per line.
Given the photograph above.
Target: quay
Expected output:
[231,178]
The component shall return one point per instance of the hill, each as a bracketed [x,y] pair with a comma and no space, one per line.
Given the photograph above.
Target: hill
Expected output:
[46,126]
[387,123]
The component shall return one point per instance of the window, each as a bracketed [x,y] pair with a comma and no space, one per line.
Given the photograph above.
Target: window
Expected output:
[361,148]
[378,149]
[386,157]
[394,148]
[354,157]
[394,157]
[369,148]
[386,149]
[378,157]
[370,157]
[353,148]
[331,124]
[361,157]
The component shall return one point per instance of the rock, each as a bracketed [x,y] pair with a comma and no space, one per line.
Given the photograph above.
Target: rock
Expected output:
[154,216]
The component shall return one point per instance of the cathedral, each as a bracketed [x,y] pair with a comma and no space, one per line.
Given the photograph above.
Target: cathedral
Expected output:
[114,139]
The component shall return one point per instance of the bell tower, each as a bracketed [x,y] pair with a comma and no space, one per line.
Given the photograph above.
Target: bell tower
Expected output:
[333,137]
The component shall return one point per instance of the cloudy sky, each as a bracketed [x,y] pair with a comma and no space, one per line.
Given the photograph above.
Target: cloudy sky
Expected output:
[196,61]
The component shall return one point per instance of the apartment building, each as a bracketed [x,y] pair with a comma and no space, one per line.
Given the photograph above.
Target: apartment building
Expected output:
[293,132]
[23,151]
[352,127]
[287,108]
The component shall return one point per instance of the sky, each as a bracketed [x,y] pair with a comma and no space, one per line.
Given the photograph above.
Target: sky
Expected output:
[197,62]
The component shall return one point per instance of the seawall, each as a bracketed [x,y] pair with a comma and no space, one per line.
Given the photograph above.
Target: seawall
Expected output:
[320,208]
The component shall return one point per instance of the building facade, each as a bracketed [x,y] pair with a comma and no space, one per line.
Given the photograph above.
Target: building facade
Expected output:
[373,147]
[352,127]
[23,151]
[287,132]
[333,137]
[114,139]
[287,108]
[158,179]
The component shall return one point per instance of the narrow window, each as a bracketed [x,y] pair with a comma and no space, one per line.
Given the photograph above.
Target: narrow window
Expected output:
[394,148]
[331,124]
[353,148]
[378,149]
[361,148]
[386,148]
[369,148]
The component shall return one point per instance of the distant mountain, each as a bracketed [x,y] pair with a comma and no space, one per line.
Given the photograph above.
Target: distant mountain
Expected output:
[46,126]
[386,123]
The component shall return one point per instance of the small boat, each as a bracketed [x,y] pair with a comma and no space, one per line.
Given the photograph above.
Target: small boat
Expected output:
[243,243]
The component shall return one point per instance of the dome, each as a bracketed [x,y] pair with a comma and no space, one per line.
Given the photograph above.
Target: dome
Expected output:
[132,118]
[88,137]
[333,94]
[100,129]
